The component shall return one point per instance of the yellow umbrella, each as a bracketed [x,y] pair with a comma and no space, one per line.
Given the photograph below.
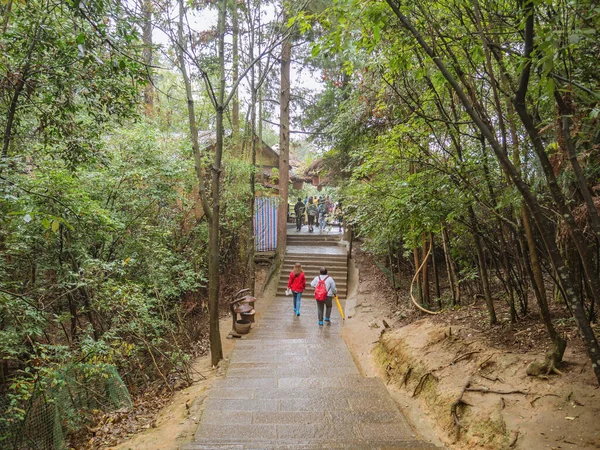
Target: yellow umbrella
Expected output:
[337,302]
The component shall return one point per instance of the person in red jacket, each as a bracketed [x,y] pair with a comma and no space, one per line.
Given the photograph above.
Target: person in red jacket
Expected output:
[297,283]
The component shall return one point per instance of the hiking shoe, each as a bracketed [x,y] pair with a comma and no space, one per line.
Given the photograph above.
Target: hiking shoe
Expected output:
[320,322]
[327,320]
[297,313]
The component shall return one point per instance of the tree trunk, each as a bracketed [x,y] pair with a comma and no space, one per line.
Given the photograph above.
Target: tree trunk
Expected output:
[235,104]
[425,270]
[538,276]
[7,11]
[483,274]
[505,273]
[418,278]
[147,55]
[284,146]
[452,278]
[392,271]
[214,275]
[574,231]
[251,243]
[579,176]
[191,115]
[435,272]
[251,266]
[12,110]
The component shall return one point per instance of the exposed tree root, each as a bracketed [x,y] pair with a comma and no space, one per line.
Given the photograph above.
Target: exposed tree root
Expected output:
[406,376]
[514,439]
[463,356]
[484,363]
[422,381]
[491,379]
[454,409]
[485,390]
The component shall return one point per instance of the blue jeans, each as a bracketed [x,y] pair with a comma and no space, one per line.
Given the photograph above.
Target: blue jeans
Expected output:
[322,222]
[296,296]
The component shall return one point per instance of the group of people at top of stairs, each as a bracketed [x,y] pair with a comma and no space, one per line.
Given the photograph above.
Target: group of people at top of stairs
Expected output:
[324,286]
[318,211]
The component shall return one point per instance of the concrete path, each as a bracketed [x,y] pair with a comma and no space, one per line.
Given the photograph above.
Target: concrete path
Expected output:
[293,384]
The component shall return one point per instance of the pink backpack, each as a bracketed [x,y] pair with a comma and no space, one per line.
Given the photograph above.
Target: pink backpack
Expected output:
[321,290]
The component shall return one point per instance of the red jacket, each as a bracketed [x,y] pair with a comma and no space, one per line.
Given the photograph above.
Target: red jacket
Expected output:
[297,283]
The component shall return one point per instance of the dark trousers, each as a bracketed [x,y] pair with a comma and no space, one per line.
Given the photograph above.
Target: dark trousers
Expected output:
[311,222]
[299,222]
[324,305]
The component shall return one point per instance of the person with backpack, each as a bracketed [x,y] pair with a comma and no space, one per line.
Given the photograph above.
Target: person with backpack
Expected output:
[299,211]
[311,212]
[297,284]
[322,208]
[324,291]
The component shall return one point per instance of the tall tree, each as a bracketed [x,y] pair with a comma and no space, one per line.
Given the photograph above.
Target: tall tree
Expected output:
[220,101]
[284,143]
[147,53]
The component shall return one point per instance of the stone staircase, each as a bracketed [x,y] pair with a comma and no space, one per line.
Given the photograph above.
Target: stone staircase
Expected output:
[314,251]
[292,384]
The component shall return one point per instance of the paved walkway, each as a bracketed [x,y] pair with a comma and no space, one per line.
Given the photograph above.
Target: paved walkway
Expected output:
[293,384]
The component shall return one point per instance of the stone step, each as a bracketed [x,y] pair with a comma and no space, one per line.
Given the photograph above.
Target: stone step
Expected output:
[342,295]
[314,237]
[289,262]
[310,273]
[315,266]
[309,242]
[314,256]
[290,254]
[305,235]
[313,269]
[282,286]
[307,445]
[312,264]
[339,278]
[342,290]
[341,286]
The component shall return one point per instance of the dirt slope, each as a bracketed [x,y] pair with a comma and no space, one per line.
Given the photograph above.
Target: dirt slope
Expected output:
[433,363]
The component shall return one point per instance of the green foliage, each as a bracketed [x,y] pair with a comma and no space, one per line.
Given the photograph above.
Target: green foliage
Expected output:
[69,77]
[409,158]
[95,261]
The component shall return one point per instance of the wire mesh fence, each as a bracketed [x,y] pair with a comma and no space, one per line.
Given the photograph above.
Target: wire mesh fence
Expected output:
[61,402]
